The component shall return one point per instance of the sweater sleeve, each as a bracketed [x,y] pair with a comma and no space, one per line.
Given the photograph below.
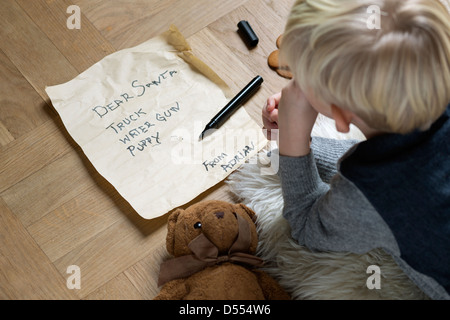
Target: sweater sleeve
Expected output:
[335,217]
[327,152]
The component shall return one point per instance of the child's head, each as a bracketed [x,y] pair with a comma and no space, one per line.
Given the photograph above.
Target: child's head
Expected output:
[396,78]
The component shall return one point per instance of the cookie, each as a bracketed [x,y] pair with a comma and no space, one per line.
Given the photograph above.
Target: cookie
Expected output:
[279,39]
[273,59]
[274,63]
[285,72]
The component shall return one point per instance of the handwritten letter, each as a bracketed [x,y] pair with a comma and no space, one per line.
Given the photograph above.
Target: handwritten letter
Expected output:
[137,115]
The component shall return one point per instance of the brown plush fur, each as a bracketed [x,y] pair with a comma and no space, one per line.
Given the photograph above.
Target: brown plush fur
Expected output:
[225,281]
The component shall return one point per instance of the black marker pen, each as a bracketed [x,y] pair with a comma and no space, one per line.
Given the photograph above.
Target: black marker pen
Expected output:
[233,105]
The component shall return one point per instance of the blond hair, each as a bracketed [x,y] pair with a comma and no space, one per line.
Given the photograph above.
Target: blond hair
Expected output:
[396,78]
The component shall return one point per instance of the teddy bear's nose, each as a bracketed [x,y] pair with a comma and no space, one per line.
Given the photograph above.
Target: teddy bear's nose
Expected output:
[219,214]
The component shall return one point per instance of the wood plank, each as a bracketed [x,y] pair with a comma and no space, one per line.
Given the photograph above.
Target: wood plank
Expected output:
[127,24]
[25,271]
[267,19]
[30,50]
[122,19]
[114,250]
[48,188]
[119,288]
[22,109]
[235,72]
[216,54]
[79,220]
[144,274]
[82,47]
[5,136]
[32,152]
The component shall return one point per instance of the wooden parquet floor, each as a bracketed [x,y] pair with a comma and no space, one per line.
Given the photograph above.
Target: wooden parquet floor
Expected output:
[55,209]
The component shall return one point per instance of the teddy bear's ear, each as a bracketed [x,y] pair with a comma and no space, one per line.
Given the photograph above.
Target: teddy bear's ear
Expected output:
[243,209]
[247,210]
[170,238]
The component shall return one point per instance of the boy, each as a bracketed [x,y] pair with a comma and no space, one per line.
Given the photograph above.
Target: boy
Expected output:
[391,191]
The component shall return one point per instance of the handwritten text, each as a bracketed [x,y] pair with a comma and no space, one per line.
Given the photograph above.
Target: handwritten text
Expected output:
[123,98]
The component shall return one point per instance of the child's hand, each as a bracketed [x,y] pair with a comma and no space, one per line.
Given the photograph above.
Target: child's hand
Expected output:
[270,114]
[296,118]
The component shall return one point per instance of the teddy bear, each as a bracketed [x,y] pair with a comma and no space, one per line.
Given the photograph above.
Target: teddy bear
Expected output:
[213,244]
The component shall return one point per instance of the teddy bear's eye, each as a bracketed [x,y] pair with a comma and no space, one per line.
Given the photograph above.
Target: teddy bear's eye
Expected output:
[197,225]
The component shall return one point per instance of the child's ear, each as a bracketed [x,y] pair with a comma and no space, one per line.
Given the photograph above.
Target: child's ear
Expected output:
[171,223]
[343,118]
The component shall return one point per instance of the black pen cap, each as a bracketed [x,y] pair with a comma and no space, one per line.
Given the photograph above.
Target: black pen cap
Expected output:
[247,33]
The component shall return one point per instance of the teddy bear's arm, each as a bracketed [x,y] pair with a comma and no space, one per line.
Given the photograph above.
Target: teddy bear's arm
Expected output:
[271,289]
[173,290]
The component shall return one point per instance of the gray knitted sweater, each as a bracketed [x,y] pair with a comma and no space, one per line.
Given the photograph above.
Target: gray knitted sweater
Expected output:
[332,211]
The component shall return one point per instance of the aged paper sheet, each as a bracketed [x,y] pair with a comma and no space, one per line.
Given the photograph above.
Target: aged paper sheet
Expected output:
[137,115]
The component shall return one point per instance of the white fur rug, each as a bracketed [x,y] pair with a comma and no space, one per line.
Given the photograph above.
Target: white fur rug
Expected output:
[306,274]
